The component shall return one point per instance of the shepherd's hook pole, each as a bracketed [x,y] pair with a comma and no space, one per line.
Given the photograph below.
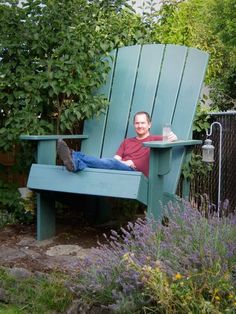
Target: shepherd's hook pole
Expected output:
[220,159]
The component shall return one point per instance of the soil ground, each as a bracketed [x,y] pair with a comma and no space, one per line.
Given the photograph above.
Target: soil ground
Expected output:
[19,248]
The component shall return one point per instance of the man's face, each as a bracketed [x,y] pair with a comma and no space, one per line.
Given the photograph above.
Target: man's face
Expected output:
[142,125]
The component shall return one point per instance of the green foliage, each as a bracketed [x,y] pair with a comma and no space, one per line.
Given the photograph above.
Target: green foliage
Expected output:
[51,64]
[201,119]
[34,295]
[185,295]
[222,24]
[208,25]
[22,121]
[124,210]
[10,198]
[6,218]
[14,208]
[224,21]
[196,168]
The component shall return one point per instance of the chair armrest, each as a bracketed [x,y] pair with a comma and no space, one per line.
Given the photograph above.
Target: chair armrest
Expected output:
[161,154]
[46,146]
[163,144]
[50,137]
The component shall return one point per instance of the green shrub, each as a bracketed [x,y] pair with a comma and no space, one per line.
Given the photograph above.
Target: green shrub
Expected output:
[14,208]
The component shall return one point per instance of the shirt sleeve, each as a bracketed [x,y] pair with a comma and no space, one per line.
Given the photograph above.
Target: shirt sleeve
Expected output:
[157,138]
[121,149]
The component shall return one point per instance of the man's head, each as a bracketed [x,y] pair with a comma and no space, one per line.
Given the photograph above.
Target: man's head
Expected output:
[142,124]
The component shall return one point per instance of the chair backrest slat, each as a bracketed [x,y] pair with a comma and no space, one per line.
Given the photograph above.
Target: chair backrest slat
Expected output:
[194,72]
[96,127]
[121,98]
[146,83]
[168,87]
[190,88]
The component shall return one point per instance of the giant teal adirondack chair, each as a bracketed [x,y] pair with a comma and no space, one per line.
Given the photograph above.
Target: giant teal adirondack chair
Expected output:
[164,80]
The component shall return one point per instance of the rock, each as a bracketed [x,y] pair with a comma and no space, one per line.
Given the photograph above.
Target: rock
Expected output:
[27,241]
[30,241]
[9,254]
[65,263]
[72,250]
[31,253]
[20,273]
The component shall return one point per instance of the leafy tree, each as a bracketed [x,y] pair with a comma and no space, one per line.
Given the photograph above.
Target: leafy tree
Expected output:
[223,26]
[208,25]
[51,62]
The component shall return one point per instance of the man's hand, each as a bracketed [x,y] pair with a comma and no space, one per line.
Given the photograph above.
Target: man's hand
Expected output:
[172,137]
[129,163]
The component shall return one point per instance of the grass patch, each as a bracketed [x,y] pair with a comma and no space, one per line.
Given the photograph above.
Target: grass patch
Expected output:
[35,294]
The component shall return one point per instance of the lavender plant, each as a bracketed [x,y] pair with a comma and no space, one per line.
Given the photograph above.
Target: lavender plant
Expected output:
[192,241]
[151,266]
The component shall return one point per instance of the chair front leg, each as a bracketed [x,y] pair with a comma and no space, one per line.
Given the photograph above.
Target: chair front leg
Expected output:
[159,166]
[45,216]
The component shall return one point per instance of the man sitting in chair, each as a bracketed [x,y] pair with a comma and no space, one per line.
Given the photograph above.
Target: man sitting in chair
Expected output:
[130,156]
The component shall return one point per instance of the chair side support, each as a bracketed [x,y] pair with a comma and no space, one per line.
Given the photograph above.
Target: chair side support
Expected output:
[159,166]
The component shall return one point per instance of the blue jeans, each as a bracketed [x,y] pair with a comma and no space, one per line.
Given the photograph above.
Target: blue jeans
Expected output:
[82,161]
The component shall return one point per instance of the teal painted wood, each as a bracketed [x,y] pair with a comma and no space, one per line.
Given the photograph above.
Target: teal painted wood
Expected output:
[45,216]
[146,82]
[189,92]
[152,79]
[46,152]
[46,146]
[176,144]
[112,183]
[161,163]
[51,137]
[188,97]
[186,181]
[162,80]
[96,127]
[169,84]
[159,166]
[121,98]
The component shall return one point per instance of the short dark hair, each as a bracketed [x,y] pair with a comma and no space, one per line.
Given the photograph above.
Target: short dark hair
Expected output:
[143,112]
